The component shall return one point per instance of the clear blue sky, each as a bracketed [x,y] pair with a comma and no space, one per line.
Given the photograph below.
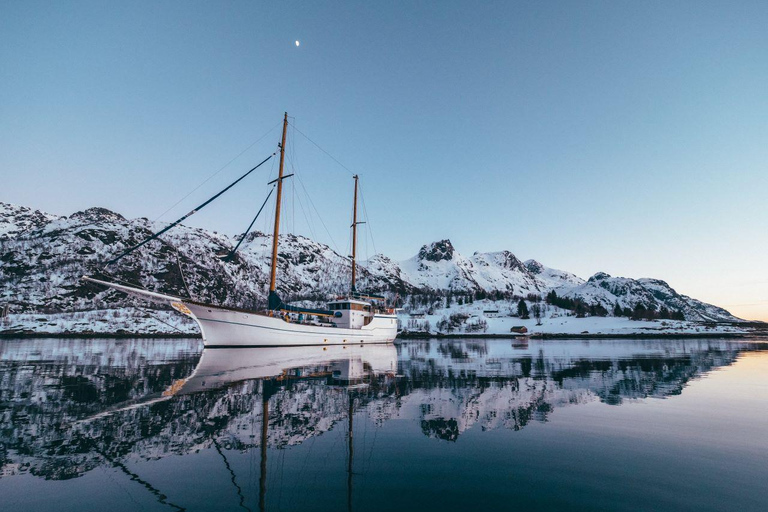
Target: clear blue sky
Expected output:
[627,137]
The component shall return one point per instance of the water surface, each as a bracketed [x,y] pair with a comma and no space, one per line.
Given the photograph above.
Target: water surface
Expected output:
[450,425]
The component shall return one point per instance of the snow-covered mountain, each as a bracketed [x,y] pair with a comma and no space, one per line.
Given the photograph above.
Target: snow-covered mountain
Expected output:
[551,277]
[652,293]
[43,256]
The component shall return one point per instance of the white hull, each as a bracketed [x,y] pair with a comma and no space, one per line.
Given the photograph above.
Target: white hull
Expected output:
[223,327]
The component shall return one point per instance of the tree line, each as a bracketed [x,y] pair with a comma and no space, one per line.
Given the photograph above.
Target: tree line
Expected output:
[639,312]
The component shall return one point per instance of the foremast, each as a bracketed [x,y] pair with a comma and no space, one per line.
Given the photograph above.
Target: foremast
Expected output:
[274,301]
[354,237]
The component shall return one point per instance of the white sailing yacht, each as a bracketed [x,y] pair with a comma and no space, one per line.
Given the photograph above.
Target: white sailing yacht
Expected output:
[354,319]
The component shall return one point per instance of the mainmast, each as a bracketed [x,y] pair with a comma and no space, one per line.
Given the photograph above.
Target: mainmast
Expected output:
[274,301]
[354,236]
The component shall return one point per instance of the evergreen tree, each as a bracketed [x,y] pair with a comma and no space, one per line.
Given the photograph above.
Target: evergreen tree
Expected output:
[639,312]
[617,310]
[522,309]
[537,313]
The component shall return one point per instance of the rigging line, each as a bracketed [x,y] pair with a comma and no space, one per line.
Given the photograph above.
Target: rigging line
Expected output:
[234,249]
[269,218]
[217,172]
[318,214]
[370,456]
[173,224]
[282,478]
[232,474]
[367,220]
[181,273]
[118,484]
[303,469]
[321,149]
[161,498]
[115,278]
[293,204]
[166,323]
[307,218]
[118,280]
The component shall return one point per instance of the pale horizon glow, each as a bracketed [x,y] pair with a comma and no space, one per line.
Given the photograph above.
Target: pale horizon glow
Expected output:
[619,137]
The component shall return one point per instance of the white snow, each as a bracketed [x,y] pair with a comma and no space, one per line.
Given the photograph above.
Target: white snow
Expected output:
[555,321]
[44,256]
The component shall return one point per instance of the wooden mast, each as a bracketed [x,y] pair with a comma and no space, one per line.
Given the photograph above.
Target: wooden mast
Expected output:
[276,232]
[354,236]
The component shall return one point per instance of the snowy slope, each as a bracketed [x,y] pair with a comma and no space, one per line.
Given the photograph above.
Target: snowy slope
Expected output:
[43,256]
[652,293]
[41,270]
[438,266]
[16,220]
[552,278]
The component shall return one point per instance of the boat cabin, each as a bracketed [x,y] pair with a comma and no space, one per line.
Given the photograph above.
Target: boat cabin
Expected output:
[350,313]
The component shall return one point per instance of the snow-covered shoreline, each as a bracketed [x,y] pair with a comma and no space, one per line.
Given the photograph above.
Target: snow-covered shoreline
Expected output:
[118,322]
[493,319]
[476,323]
[441,292]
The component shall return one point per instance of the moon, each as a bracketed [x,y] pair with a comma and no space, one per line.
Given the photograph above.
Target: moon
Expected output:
[297,43]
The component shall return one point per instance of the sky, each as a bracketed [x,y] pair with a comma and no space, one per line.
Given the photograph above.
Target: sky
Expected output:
[625,137]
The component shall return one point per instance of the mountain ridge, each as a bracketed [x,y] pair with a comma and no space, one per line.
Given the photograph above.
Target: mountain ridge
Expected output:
[42,257]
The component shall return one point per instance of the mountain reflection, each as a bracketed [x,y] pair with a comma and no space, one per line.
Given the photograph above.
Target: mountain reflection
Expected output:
[69,406]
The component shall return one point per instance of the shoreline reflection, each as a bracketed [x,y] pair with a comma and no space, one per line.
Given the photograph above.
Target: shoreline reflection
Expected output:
[71,406]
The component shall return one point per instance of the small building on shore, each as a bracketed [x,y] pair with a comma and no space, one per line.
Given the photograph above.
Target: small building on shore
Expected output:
[491,313]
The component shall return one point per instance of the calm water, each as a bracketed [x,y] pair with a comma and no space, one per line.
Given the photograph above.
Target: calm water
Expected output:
[448,425]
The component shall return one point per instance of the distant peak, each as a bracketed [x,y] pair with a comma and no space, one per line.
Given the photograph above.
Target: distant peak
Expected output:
[533,266]
[504,259]
[380,257]
[98,213]
[437,251]
[599,277]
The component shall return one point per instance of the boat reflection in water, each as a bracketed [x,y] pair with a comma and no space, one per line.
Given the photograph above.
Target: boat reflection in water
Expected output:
[348,367]
[285,424]
[224,366]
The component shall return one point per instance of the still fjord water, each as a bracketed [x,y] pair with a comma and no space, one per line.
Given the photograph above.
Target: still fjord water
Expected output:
[431,425]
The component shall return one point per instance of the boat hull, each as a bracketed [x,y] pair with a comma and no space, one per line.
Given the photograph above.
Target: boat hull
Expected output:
[222,327]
